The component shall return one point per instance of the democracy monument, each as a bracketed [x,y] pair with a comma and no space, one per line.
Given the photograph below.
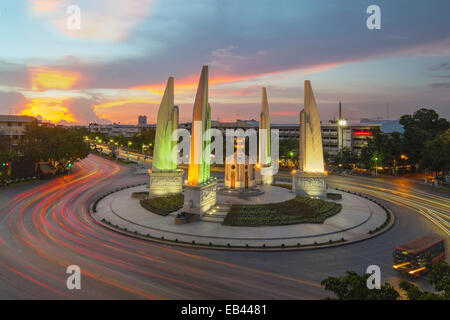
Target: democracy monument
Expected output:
[165,178]
[200,190]
[249,207]
[309,179]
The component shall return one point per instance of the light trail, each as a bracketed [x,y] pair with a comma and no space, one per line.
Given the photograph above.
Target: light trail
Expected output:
[433,207]
[48,227]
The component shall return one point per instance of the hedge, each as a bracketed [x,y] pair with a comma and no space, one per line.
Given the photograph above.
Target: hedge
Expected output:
[294,211]
[164,205]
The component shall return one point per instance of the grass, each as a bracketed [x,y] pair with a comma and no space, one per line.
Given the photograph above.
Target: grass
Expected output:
[164,205]
[294,211]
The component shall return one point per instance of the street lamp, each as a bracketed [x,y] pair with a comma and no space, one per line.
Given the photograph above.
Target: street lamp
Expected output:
[342,123]
[376,167]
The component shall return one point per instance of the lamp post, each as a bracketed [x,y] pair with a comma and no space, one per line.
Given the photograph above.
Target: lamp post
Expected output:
[376,166]
[341,124]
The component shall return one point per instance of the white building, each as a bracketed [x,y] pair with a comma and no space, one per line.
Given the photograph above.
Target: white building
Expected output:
[14,127]
[115,130]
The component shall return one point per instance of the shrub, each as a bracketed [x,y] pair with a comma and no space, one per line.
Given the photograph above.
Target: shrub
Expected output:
[294,211]
[164,205]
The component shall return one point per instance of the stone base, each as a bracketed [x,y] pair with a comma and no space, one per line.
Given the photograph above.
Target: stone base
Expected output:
[309,184]
[164,183]
[184,218]
[264,175]
[199,199]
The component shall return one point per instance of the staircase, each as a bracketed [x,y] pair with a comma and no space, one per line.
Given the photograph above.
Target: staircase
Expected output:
[216,214]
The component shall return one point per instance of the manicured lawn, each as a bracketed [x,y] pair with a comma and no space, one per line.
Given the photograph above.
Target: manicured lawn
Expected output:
[164,205]
[294,211]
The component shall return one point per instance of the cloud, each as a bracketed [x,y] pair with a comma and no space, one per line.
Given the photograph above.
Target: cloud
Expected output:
[83,111]
[106,20]
[43,79]
[11,102]
[440,85]
[440,66]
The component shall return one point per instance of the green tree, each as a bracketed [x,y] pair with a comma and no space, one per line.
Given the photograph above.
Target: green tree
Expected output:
[438,276]
[288,148]
[382,150]
[437,153]
[45,143]
[353,286]
[422,126]
[414,293]
[143,141]
[345,158]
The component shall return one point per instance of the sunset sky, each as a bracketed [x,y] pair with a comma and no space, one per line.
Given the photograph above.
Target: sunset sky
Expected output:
[114,68]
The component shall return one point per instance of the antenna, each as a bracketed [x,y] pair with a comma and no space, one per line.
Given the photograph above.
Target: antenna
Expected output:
[387,109]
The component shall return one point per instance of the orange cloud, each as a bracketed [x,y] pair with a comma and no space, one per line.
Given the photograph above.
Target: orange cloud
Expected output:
[190,82]
[115,103]
[187,84]
[44,5]
[47,78]
[51,109]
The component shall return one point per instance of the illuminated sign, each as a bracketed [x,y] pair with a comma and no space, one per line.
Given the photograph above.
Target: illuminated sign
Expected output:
[363,133]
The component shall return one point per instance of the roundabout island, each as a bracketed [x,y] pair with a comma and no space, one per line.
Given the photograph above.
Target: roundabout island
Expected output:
[357,220]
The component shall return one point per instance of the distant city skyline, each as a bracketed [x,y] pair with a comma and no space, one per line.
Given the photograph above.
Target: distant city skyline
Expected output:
[114,68]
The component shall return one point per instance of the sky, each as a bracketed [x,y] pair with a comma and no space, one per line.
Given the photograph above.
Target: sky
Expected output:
[115,66]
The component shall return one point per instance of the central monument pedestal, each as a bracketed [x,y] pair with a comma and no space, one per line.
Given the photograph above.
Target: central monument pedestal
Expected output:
[264,175]
[163,183]
[308,184]
[199,198]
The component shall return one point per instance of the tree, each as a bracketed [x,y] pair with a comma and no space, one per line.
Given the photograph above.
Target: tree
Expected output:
[60,145]
[345,158]
[414,293]
[437,153]
[289,148]
[422,126]
[439,277]
[143,141]
[354,287]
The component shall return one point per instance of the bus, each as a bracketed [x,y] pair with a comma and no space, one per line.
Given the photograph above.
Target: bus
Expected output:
[411,257]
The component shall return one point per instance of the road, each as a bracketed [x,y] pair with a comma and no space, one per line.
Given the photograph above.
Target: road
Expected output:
[45,227]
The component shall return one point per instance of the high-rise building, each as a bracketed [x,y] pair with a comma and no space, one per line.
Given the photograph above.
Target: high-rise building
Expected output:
[142,121]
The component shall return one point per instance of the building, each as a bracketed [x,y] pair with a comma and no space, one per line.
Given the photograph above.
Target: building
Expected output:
[14,127]
[353,134]
[115,130]
[142,121]
[347,134]
[335,136]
